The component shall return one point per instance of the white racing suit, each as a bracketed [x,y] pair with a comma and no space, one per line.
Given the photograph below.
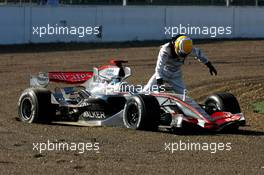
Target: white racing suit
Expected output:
[169,69]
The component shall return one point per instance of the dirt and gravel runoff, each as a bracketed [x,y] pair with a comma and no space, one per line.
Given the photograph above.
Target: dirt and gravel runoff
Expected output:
[240,65]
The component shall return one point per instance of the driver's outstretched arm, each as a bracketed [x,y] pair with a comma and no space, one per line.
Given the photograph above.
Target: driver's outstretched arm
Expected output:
[199,55]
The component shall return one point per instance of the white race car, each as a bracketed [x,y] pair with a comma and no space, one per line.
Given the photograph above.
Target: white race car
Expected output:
[102,98]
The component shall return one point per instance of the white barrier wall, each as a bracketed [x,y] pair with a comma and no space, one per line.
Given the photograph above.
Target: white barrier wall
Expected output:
[12,25]
[128,23]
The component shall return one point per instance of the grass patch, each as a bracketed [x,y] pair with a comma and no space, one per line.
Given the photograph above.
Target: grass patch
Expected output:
[258,107]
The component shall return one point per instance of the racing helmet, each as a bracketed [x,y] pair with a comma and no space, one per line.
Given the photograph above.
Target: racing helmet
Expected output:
[183,46]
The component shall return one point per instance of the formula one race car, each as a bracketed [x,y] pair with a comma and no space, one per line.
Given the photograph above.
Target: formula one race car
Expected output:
[105,99]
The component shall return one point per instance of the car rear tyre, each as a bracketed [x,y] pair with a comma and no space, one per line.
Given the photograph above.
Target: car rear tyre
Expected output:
[34,106]
[225,102]
[142,112]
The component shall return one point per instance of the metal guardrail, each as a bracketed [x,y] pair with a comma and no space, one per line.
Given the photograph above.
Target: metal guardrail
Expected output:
[140,2]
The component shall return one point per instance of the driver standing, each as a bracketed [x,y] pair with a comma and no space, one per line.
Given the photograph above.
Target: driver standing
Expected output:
[170,59]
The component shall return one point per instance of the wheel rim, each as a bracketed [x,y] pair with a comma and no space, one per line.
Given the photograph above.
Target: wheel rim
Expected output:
[133,115]
[26,109]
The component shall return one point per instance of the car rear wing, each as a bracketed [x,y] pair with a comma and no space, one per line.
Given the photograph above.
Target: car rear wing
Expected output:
[43,78]
[108,73]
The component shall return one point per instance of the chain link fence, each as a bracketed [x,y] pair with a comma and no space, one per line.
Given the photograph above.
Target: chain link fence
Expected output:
[138,2]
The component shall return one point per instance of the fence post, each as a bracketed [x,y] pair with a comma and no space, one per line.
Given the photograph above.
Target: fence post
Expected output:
[124,2]
[227,3]
[256,2]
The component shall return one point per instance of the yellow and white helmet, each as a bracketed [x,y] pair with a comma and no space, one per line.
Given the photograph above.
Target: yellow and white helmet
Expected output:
[183,46]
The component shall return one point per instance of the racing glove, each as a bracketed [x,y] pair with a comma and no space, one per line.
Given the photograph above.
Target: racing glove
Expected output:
[212,70]
[159,81]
